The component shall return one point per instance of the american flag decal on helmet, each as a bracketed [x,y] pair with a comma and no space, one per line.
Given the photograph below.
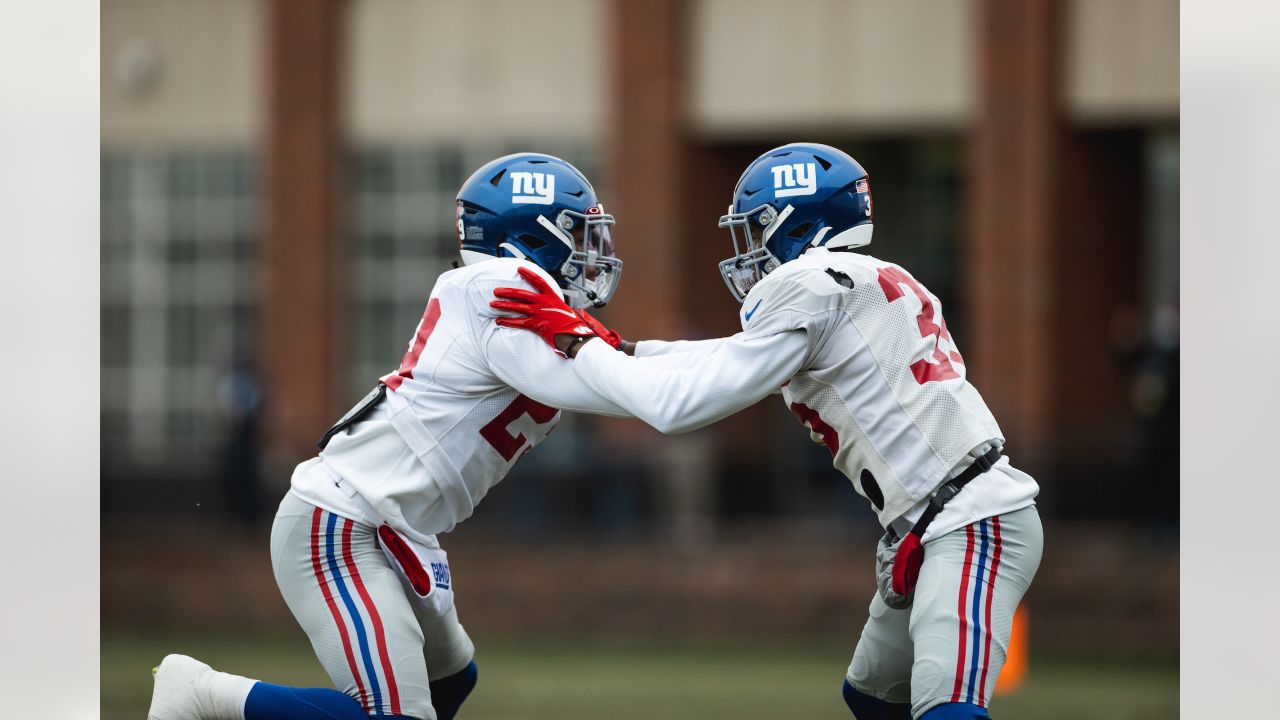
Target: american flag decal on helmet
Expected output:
[862,186]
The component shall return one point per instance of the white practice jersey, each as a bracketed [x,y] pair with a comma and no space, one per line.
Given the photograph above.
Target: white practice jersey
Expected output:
[862,356]
[469,399]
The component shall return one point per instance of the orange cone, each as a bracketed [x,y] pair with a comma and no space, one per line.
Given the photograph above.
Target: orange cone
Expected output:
[1015,665]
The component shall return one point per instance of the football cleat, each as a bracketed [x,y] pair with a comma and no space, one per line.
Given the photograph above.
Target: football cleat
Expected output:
[179,692]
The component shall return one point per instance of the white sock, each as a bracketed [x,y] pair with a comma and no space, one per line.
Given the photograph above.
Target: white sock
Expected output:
[225,694]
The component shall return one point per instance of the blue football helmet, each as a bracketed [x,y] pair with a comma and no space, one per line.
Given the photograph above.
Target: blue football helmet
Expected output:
[788,200]
[541,209]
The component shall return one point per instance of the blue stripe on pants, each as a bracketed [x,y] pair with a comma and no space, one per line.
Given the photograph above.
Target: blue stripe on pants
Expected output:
[977,612]
[355,614]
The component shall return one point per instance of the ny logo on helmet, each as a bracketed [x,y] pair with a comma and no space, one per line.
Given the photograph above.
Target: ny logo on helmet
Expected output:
[532,188]
[795,179]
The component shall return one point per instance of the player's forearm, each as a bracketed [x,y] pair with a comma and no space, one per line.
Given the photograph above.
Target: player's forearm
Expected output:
[659,404]
[569,394]
[652,348]
[640,348]
[679,393]
[526,364]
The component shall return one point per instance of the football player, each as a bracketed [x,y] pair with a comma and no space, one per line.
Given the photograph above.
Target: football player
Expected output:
[353,546]
[862,356]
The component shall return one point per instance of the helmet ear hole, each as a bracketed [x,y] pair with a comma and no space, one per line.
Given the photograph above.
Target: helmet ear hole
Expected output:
[532,242]
[800,230]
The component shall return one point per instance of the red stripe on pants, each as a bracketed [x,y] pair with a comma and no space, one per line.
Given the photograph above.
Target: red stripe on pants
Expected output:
[991,592]
[318,567]
[373,616]
[964,623]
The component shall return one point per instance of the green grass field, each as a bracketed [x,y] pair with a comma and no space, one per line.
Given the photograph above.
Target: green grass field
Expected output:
[530,680]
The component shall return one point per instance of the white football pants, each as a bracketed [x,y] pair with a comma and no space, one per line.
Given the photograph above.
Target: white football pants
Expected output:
[950,644]
[377,643]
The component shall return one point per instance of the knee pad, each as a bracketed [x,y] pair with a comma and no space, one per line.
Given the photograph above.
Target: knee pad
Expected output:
[448,693]
[957,711]
[865,707]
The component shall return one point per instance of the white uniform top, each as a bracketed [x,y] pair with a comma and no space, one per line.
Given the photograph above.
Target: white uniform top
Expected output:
[469,399]
[862,356]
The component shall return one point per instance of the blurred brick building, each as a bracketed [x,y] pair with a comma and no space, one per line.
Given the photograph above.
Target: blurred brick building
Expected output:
[277,187]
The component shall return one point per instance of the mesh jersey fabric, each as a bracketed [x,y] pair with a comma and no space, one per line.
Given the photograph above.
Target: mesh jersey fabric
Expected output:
[884,354]
[825,329]
[683,391]
[468,400]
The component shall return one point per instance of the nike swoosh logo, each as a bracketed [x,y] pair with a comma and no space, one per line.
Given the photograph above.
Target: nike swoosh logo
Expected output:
[753,310]
[562,312]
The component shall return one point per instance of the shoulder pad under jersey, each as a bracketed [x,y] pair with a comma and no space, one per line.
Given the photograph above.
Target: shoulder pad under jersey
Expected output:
[788,297]
[482,278]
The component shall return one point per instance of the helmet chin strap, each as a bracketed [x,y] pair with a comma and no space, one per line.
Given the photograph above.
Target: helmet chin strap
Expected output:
[552,228]
[588,292]
[817,239]
[515,251]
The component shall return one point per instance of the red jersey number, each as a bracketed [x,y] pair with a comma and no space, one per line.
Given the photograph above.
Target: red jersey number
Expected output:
[818,428]
[938,366]
[498,431]
[430,317]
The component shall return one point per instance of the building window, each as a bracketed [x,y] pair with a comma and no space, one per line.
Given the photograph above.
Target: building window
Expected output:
[179,251]
[178,302]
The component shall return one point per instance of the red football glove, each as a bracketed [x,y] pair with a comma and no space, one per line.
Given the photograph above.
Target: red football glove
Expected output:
[543,311]
[602,332]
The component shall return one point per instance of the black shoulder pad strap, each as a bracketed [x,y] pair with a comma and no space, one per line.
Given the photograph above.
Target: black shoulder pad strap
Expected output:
[841,279]
[355,414]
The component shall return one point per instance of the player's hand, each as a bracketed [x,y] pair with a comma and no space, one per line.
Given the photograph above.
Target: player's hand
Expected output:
[602,332]
[542,312]
[894,590]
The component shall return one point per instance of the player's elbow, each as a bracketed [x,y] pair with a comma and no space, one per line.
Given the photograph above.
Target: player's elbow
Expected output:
[675,425]
[671,428]
[661,424]
[676,411]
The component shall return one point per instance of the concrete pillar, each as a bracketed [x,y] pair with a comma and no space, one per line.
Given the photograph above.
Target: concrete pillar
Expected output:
[301,323]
